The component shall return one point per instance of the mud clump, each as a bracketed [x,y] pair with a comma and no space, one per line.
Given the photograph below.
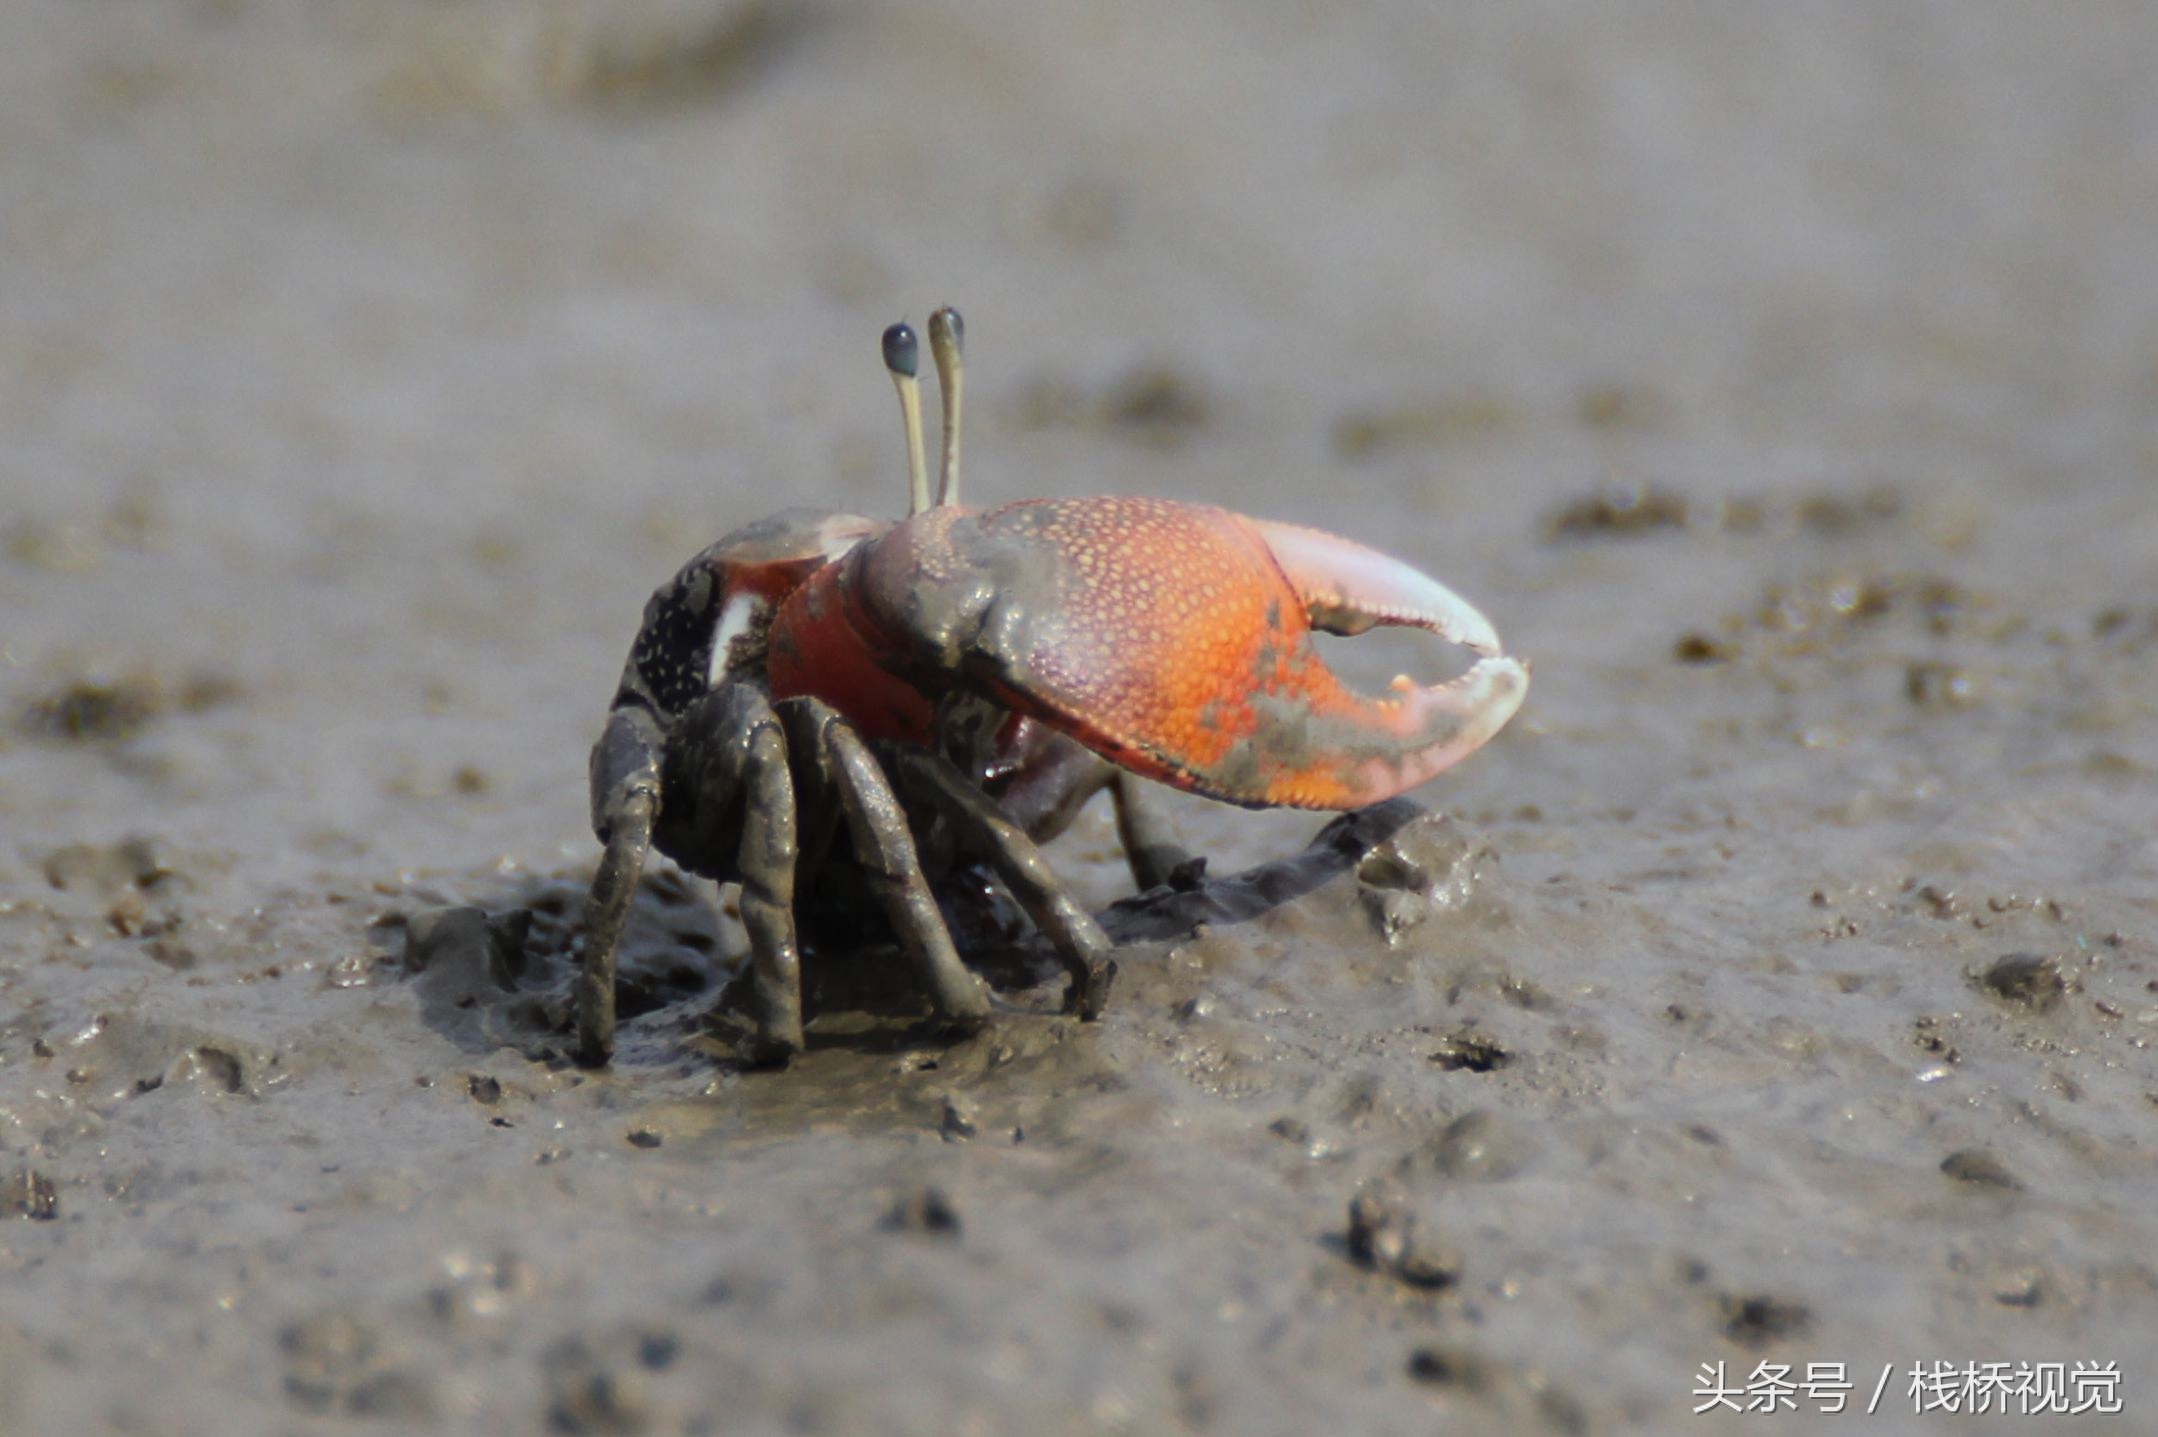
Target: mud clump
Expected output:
[138,861]
[2030,981]
[486,980]
[1756,1321]
[1387,1234]
[1470,1052]
[322,1356]
[1619,510]
[925,1212]
[1478,1146]
[139,884]
[462,945]
[28,1193]
[1422,867]
[588,1397]
[1935,684]
[1525,1396]
[1981,1169]
[1445,1367]
[1699,648]
[111,708]
[1396,861]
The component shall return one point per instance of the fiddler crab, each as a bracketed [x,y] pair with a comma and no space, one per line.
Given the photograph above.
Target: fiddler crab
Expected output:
[961,681]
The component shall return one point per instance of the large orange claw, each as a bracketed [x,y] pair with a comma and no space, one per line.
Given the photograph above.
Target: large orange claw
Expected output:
[1175,639]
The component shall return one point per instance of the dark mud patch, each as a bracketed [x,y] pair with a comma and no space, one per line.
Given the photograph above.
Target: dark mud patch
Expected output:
[1980,1168]
[925,1212]
[2032,982]
[1759,1320]
[1440,421]
[500,975]
[1160,405]
[28,1193]
[111,707]
[1633,510]
[1389,1233]
[1470,1052]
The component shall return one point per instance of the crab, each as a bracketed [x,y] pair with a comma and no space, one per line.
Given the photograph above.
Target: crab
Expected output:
[961,681]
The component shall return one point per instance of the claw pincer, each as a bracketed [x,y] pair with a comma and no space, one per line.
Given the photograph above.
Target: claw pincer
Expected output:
[1173,639]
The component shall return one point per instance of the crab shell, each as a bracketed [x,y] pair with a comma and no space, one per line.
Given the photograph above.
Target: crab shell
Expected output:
[1173,639]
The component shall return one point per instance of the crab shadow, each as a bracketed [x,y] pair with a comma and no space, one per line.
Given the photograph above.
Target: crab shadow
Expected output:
[498,972]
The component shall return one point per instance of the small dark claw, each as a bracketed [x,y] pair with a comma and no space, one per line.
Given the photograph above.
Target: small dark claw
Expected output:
[1088,993]
[625,804]
[766,1049]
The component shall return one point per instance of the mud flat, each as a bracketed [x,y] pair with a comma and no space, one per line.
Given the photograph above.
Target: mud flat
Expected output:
[1779,989]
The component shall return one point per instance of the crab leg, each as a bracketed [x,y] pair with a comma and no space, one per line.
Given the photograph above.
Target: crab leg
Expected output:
[625,793]
[1055,785]
[766,862]
[883,844]
[1150,842]
[984,830]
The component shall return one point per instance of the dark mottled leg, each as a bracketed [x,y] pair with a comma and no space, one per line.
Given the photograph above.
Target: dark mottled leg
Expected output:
[625,804]
[765,862]
[884,846]
[1048,792]
[991,835]
[731,816]
[1052,785]
[1150,842]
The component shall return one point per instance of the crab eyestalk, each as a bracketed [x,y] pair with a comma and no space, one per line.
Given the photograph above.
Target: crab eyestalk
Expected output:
[903,359]
[947,344]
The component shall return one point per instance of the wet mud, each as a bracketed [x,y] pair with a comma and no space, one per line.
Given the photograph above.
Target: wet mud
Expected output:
[1780,988]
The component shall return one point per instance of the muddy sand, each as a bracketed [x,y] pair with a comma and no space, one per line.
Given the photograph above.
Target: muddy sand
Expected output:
[1779,990]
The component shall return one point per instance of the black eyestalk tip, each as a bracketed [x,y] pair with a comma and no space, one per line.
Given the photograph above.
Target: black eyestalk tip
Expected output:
[902,352]
[948,320]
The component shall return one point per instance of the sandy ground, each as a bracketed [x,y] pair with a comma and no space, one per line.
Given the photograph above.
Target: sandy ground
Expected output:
[1780,989]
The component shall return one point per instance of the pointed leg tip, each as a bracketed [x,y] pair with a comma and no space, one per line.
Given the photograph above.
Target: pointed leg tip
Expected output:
[1088,994]
[772,1050]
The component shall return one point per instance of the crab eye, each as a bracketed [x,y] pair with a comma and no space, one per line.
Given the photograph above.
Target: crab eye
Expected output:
[738,639]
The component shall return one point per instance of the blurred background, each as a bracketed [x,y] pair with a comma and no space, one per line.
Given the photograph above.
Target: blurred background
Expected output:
[383,357]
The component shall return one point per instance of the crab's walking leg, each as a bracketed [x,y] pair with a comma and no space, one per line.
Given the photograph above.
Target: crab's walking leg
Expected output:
[1149,839]
[766,861]
[1047,797]
[730,755]
[991,836]
[731,816]
[625,804]
[884,845]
